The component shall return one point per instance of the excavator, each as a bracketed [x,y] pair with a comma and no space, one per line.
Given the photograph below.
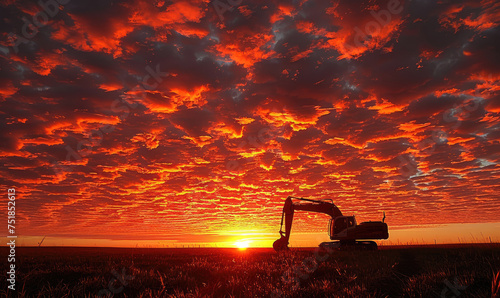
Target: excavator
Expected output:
[341,228]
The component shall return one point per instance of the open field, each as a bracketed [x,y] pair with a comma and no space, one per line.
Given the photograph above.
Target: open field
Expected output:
[434,271]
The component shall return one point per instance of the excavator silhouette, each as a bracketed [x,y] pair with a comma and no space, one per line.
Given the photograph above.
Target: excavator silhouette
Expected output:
[342,228]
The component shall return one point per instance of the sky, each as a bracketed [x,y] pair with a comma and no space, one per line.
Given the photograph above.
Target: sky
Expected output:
[169,123]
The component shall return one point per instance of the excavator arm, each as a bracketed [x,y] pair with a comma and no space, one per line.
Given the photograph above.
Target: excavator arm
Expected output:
[323,206]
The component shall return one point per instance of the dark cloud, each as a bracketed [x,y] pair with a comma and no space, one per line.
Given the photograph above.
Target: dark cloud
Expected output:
[120,111]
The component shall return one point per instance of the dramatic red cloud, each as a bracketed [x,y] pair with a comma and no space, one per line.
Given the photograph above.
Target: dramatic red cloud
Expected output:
[184,122]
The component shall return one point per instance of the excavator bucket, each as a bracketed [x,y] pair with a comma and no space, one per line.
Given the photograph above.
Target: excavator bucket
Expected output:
[280,244]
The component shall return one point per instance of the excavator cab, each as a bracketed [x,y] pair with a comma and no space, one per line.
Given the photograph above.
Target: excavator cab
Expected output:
[340,224]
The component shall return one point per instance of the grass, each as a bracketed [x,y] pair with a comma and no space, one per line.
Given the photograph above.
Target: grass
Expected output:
[464,271]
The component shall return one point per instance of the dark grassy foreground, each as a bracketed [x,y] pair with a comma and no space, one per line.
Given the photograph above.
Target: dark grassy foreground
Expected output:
[464,271]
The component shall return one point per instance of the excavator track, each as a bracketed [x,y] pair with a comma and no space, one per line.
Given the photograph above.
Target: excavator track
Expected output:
[348,245]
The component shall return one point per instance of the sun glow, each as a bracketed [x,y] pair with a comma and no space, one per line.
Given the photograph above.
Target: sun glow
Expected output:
[242,244]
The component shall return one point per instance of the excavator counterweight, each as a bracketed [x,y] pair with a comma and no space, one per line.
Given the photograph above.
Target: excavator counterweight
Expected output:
[341,228]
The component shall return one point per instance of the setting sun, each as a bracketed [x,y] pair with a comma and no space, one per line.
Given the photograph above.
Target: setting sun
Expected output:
[242,245]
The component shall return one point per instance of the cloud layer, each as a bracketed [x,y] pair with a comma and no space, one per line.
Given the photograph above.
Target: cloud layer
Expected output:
[171,118]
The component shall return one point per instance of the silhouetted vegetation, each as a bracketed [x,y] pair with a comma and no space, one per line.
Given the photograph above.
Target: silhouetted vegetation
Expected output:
[396,272]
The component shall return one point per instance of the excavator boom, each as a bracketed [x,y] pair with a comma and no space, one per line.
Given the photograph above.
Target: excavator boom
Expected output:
[323,206]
